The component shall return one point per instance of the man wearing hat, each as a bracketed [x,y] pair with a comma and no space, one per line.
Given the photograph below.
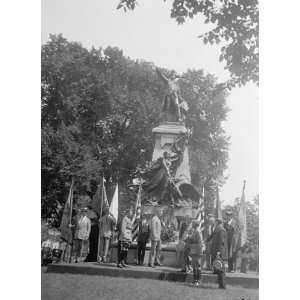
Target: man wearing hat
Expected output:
[196,245]
[219,251]
[82,233]
[209,231]
[232,240]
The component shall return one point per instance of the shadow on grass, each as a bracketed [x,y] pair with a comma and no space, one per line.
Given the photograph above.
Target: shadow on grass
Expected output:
[201,286]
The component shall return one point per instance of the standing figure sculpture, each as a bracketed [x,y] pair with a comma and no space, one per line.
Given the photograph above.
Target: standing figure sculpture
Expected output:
[174,106]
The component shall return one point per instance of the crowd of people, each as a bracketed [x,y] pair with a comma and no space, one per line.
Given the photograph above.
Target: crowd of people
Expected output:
[217,251]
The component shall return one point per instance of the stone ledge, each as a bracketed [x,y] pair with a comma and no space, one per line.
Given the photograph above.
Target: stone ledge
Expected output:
[170,128]
[159,273]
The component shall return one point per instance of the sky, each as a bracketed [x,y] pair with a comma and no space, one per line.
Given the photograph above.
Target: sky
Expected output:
[150,34]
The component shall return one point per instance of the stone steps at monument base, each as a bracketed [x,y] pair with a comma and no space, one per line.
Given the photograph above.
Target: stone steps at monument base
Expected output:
[158,273]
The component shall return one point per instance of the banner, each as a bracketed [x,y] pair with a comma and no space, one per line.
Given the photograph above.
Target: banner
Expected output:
[114,206]
[243,217]
[66,219]
[218,205]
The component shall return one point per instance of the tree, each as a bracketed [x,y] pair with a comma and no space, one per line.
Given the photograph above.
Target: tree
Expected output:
[98,111]
[236,27]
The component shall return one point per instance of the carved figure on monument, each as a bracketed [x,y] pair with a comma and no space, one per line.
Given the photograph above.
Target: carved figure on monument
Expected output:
[160,180]
[174,107]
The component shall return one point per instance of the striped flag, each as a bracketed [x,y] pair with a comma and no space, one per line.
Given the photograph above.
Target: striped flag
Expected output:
[201,213]
[105,201]
[138,206]
[242,217]
[66,219]
[218,205]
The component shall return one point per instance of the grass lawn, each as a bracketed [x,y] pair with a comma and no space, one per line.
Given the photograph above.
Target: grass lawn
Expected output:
[87,287]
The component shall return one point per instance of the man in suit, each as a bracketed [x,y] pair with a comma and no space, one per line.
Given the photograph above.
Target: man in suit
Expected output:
[231,227]
[209,231]
[155,233]
[142,239]
[219,249]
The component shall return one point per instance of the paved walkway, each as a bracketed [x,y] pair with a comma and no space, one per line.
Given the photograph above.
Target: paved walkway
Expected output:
[249,280]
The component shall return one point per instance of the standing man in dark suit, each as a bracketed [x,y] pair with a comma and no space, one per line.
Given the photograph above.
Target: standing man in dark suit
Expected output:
[231,227]
[219,249]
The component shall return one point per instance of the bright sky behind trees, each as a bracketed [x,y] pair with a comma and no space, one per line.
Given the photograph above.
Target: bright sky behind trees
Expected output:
[149,33]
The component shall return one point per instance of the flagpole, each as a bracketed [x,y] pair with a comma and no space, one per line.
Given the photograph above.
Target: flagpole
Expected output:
[244,186]
[71,204]
[70,221]
[101,207]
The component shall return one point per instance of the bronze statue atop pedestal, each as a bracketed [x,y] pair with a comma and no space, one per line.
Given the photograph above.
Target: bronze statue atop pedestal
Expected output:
[174,107]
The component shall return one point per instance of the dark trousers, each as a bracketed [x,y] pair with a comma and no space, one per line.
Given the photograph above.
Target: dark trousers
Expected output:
[221,275]
[244,264]
[187,259]
[141,249]
[196,263]
[119,251]
[123,256]
[221,279]
[123,247]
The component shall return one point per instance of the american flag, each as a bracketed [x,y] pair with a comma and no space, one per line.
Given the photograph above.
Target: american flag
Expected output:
[105,201]
[201,213]
[138,206]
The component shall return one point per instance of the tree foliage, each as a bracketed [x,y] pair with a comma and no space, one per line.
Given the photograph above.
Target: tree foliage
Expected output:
[236,27]
[98,111]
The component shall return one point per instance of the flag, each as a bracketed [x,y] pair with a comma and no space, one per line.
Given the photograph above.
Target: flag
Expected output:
[104,196]
[201,213]
[100,198]
[138,206]
[218,205]
[66,219]
[242,217]
[114,205]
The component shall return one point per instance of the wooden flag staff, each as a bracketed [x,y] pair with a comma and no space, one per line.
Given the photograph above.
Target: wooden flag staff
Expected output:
[101,209]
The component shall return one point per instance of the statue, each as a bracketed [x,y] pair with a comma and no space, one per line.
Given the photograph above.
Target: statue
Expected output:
[174,107]
[160,179]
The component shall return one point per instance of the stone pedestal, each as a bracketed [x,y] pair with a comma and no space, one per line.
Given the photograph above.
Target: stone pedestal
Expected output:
[165,135]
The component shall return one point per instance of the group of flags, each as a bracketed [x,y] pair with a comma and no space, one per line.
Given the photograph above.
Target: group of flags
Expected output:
[242,219]
[100,202]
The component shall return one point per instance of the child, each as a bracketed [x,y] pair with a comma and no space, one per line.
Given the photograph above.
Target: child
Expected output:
[196,245]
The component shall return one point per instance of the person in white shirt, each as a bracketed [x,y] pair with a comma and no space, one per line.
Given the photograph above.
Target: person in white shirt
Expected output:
[82,233]
[155,237]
